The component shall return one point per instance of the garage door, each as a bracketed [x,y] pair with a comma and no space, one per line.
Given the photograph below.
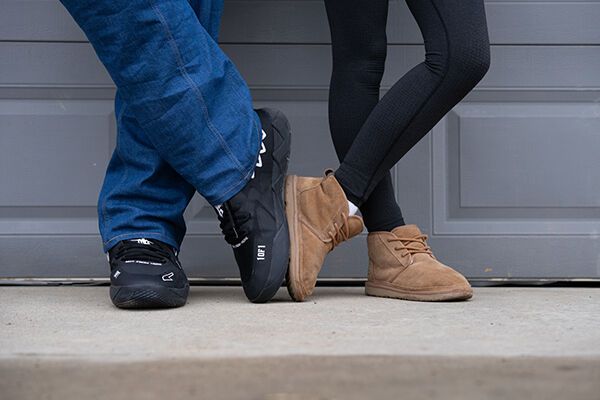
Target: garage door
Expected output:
[507,185]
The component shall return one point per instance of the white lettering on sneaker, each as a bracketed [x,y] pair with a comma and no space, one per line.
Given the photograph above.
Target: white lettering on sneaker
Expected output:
[141,262]
[260,252]
[117,273]
[263,150]
[168,277]
[219,209]
[142,241]
[235,246]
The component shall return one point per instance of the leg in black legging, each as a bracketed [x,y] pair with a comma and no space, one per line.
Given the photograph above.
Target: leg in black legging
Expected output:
[359,48]
[457,57]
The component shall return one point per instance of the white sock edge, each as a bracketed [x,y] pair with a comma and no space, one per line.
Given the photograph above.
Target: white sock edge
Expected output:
[352,209]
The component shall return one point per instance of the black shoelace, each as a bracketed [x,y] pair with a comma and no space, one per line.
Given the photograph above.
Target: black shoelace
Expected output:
[131,250]
[234,223]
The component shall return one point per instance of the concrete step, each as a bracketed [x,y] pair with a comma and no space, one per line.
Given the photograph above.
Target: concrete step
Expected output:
[71,343]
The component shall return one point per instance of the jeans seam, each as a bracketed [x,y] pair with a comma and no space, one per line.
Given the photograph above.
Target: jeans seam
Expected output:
[232,76]
[251,170]
[105,216]
[194,87]
[232,187]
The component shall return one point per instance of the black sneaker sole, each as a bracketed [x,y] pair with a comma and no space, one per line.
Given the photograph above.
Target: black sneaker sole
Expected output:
[281,242]
[276,276]
[132,297]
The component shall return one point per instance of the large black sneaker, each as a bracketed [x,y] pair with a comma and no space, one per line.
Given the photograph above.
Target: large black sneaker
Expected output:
[254,221]
[146,274]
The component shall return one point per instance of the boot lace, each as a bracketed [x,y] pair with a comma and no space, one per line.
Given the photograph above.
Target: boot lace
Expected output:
[341,232]
[412,246]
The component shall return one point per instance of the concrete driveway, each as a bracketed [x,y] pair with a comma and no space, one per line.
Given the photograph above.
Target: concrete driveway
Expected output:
[506,343]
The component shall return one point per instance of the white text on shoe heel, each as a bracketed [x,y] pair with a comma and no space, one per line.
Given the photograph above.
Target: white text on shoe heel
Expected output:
[260,252]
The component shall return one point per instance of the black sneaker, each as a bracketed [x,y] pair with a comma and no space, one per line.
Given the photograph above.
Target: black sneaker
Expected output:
[146,274]
[254,221]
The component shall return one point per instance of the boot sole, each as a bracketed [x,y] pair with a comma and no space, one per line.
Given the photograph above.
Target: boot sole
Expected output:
[133,297]
[293,274]
[379,290]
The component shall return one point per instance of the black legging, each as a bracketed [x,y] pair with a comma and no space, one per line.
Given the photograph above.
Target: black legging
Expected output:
[371,135]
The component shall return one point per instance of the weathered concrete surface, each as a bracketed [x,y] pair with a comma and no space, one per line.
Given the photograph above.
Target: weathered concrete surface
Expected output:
[71,343]
[306,378]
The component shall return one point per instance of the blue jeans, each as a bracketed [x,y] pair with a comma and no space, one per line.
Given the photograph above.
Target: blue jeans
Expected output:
[184,114]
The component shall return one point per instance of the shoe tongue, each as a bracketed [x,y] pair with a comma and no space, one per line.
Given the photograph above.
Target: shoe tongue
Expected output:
[355,225]
[407,231]
[144,250]
[143,241]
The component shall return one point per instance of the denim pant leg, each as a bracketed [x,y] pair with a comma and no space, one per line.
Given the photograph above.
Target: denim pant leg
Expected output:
[184,92]
[142,195]
[209,14]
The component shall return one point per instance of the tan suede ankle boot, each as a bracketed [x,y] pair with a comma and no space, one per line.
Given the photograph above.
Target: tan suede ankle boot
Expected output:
[402,266]
[317,214]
